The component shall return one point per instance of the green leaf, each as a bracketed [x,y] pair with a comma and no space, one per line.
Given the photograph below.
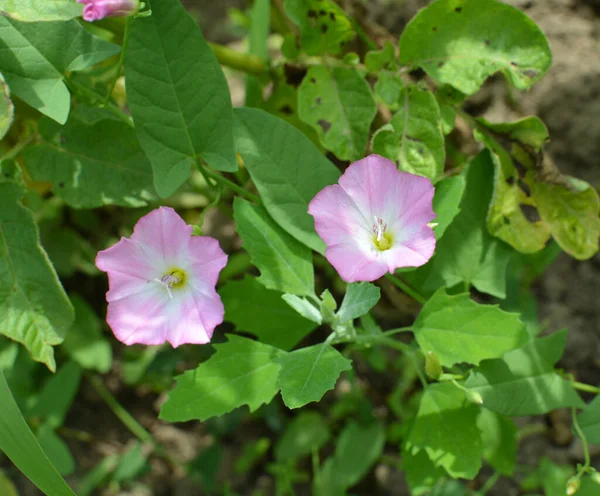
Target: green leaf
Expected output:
[413,138]
[253,308]
[94,165]
[359,299]
[448,115]
[463,42]
[41,10]
[285,265]
[7,109]
[286,168]
[457,329]
[131,464]
[241,372]
[19,444]
[304,307]
[337,102]
[258,37]
[446,202]
[420,472]
[445,428]
[324,26]
[308,373]
[85,343]
[554,477]
[306,433]
[376,60]
[34,68]
[34,309]
[56,449]
[499,436]
[524,381]
[388,88]
[589,421]
[178,96]
[7,488]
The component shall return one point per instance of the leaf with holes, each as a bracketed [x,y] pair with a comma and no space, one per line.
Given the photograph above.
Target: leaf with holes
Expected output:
[41,10]
[463,42]
[338,103]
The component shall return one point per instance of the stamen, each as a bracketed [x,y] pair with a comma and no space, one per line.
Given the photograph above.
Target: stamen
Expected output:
[168,280]
[379,227]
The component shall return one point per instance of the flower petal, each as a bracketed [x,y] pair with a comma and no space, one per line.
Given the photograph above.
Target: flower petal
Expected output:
[128,257]
[414,252]
[206,259]
[354,264]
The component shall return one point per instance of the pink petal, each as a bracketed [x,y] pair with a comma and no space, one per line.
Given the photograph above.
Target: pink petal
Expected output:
[353,264]
[206,259]
[128,257]
[412,253]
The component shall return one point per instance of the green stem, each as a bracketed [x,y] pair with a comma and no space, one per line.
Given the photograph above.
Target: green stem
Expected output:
[585,387]
[230,184]
[405,288]
[94,98]
[17,149]
[120,63]
[491,482]
[531,430]
[393,332]
[245,62]
[584,442]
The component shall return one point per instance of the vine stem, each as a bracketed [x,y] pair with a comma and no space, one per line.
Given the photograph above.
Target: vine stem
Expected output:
[93,96]
[405,288]
[120,63]
[588,388]
[15,150]
[244,62]
[491,482]
[584,442]
[229,184]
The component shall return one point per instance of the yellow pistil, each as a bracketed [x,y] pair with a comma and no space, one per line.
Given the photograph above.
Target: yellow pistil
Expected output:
[176,278]
[384,242]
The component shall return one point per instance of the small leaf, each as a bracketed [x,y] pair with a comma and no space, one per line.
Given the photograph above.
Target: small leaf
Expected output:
[306,433]
[285,265]
[303,307]
[413,139]
[337,102]
[463,42]
[376,60]
[420,472]
[589,421]
[359,299]
[446,202]
[241,372]
[499,436]
[41,10]
[253,308]
[459,330]
[388,88]
[308,373]
[7,109]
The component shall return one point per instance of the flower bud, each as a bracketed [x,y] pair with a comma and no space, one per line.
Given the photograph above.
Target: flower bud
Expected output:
[573,485]
[95,10]
[433,368]
[474,396]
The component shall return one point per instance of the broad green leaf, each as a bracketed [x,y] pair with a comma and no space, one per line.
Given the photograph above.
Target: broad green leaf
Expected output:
[499,436]
[34,309]
[41,10]
[420,472]
[463,42]
[358,300]
[94,165]
[85,343]
[56,449]
[34,58]
[286,168]
[7,109]
[337,102]
[19,444]
[241,372]
[445,428]
[324,26]
[524,381]
[457,329]
[589,487]
[446,202]
[572,216]
[589,421]
[413,139]
[253,308]
[178,96]
[376,60]
[285,265]
[308,373]
[305,433]
[388,88]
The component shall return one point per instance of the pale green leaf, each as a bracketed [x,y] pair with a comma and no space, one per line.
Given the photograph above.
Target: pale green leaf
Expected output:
[463,42]
[337,102]
[285,264]
[241,372]
[286,168]
[34,309]
[304,307]
[56,449]
[34,59]
[413,139]
[41,10]
[457,329]
[446,202]
[589,421]
[7,109]
[308,373]
[94,165]
[445,428]
[524,381]
[499,436]
[305,433]
[358,300]
[255,309]
[178,96]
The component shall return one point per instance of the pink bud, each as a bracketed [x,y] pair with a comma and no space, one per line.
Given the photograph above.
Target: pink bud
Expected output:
[95,10]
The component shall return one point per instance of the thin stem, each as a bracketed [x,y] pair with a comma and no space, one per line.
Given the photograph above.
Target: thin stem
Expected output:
[531,430]
[405,288]
[491,482]
[15,150]
[584,442]
[245,62]
[393,332]
[231,185]
[120,63]
[585,387]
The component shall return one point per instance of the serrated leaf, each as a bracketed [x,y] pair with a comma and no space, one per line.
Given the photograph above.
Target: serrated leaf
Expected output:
[337,102]
[589,421]
[445,428]
[241,372]
[457,329]
[324,25]
[286,168]
[308,373]
[524,381]
[305,433]
[178,96]
[34,309]
[463,42]
[285,264]
[7,109]
[34,67]
[413,138]
[358,300]
[446,202]
[499,436]
[56,449]
[94,165]
[253,308]
[41,10]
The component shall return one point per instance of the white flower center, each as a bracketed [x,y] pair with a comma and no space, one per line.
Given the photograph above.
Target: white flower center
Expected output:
[379,227]
[173,279]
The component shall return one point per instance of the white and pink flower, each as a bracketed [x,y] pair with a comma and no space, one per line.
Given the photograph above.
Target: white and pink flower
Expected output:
[95,10]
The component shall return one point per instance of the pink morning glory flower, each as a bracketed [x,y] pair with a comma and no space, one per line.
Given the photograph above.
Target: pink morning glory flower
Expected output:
[375,220]
[95,10]
[162,282]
